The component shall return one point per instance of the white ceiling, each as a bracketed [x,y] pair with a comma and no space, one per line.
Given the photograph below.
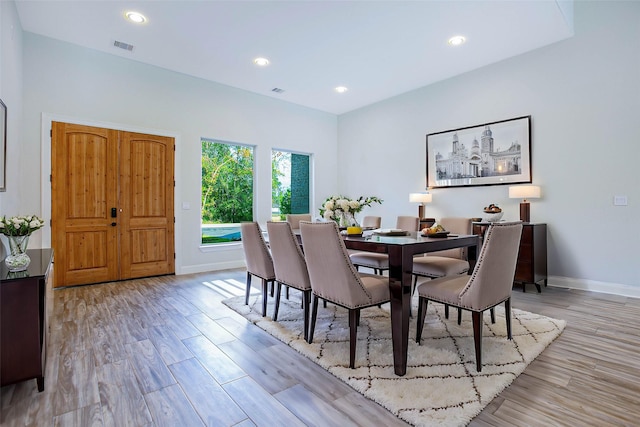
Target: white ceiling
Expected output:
[378,49]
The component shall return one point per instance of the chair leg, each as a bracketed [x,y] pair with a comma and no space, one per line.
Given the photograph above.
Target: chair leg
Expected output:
[353,335]
[507,316]
[314,314]
[246,297]
[492,310]
[272,289]
[446,311]
[459,316]
[422,313]
[287,292]
[415,284]
[265,287]
[477,337]
[306,301]
[277,304]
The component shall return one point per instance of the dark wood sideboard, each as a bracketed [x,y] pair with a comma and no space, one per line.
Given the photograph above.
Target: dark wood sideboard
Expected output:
[532,258]
[23,322]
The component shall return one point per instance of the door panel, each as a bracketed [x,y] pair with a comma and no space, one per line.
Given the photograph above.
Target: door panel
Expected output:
[147,231]
[84,177]
[95,170]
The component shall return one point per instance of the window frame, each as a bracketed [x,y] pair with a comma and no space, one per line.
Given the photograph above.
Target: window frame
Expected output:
[213,247]
[310,176]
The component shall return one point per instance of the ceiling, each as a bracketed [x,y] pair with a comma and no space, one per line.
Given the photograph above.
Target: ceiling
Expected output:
[377,49]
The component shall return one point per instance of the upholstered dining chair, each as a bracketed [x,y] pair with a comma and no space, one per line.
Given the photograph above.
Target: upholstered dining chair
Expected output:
[407,223]
[335,279]
[447,262]
[371,221]
[380,262]
[294,219]
[258,259]
[488,285]
[290,266]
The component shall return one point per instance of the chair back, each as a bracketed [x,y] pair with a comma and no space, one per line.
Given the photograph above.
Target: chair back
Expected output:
[294,219]
[333,276]
[288,259]
[455,225]
[492,278]
[372,221]
[408,223]
[256,252]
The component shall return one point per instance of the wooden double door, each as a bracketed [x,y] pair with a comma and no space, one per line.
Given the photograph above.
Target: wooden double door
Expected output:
[112,204]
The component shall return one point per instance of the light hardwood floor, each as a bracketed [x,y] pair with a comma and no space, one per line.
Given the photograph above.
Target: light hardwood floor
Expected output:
[165,351]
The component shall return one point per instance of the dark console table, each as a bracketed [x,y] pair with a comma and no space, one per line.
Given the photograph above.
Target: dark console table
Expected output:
[532,258]
[23,321]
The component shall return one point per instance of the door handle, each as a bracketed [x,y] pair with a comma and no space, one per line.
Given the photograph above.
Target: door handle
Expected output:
[114,212]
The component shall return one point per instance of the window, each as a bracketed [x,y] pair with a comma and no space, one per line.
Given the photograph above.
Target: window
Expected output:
[227,190]
[290,177]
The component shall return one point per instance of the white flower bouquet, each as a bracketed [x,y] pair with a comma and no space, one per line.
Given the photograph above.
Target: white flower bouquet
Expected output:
[335,207]
[20,225]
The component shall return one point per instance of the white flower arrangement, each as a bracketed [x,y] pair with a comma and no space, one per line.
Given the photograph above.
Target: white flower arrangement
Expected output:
[334,207]
[20,225]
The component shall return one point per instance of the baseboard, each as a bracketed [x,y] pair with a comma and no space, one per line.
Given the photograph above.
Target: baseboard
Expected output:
[555,281]
[201,268]
[594,286]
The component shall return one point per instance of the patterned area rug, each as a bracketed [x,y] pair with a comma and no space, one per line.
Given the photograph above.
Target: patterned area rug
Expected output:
[441,386]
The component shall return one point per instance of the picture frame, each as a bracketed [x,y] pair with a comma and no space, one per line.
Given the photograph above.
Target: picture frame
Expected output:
[3,146]
[494,153]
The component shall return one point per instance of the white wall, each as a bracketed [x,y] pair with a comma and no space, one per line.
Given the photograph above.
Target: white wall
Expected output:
[11,95]
[66,82]
[584,98]
[583,95]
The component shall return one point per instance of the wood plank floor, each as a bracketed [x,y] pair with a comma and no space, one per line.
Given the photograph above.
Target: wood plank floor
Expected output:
[166,351]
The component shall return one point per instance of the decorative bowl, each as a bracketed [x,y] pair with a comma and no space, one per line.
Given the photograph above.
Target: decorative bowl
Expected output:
[354,231]
[492,217]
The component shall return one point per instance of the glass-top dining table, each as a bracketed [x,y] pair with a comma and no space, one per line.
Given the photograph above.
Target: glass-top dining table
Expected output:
[401,250]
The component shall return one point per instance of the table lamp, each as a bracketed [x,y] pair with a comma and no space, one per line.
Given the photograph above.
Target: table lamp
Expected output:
[524,192]
[421,198]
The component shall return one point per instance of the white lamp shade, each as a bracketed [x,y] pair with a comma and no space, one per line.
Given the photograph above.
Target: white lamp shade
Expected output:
[420,197]
[524,192]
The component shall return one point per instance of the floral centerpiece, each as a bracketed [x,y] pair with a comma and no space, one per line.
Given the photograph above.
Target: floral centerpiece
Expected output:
[342,209]
[18,229]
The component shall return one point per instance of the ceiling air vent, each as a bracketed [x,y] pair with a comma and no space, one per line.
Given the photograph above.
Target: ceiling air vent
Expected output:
[277,90]
[123,45]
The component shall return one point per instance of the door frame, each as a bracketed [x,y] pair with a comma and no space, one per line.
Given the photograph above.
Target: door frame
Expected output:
[45,150]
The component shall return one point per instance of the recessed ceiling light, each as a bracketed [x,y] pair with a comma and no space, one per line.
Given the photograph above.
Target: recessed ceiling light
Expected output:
[341,89]
[457,40]
[261,62]
[136,17]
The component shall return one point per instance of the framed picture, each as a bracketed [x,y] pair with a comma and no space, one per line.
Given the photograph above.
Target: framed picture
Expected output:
[3,146]
[488,154]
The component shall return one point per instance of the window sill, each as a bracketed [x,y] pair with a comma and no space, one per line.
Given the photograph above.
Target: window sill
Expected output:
[220,247]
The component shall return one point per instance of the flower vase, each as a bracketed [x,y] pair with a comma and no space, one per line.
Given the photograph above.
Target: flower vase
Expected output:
[347,219]
[18,260]
[344,220]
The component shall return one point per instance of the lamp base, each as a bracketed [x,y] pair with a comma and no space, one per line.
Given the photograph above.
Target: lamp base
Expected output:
[525,211]
[420,211]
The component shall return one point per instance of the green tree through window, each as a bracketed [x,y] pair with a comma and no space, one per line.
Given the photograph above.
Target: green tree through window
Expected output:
[227,190]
